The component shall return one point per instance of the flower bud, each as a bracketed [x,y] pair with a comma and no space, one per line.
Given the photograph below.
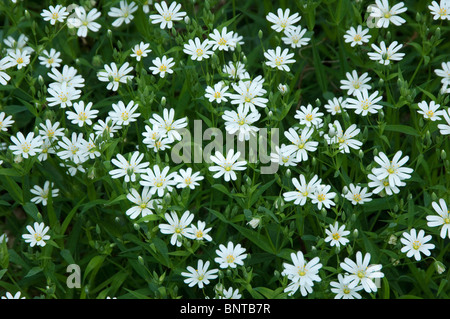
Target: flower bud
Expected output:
[163,101]
[260,34]
[141,260]
[440,267]
[443,155]
[187,20]
[254,222]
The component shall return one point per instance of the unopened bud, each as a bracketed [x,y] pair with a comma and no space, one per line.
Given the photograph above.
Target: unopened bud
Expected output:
[443,155]
[260,34]
[163,101]
[440,267]
[141,260]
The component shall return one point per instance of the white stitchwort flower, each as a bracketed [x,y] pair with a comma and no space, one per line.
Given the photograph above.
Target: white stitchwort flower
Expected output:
[198,50]
[68,75]
[227,166]
[342,290]
[5,121]
[281,157]
[380,185]
[128,168]
[144,204]
[177,227]
[303,190]
[140,50]
[336,105]
[241,122]
[82,115]
[50,59]
[25,146]
[71,149]
[37,235]
[302,274]
[384,55]
[18,59]
[123,14]
[235,70]
[442,220]
[362,272]
[8,295]
[249,93]
[357,36]
[357,194]
[430,110]
[5,64]
[168,125]
[221,40]
[295,37]
[392,169]
[199,232]
[309,116]
[124,115]
[51,131]
[115,76]
[365,103]
[186,178]
[444,129]
[416,243]
[42,193]
[218,93]
[84,21]
[62,95]
[159,180]
[162,66]
[301,143]
[167,15]
[108,127]
[53,14]
[344,139]
[230,255]
[355,83]
[336,235]
[279,59]
[200,275]
[323,197]
[384,14]
[440,10]
[283,20]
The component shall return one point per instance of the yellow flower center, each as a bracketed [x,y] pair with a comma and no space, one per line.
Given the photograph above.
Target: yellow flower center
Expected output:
[387,15]
[357,38]
[228,168]
[199,234]
[309,117]
[163,68]
[416,244]
[19,61]
[55,15]
[430,113]
[217,95]
[357,197]
[361,274]
[278,61]
[336,236]
[159,184]
[222,41]
[230,259]
[139,52]
[38,237]
[199,52]
[143,205]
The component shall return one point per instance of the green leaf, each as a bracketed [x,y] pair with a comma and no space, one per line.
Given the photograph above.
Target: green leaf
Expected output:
[402,129]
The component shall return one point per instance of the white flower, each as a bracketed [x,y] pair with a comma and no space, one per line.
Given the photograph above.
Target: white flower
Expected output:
[8,295]
[50,59]
[115,76]
[241,122]
[249,93]
[295,37]
[5,121]
[227,166]
[20,44]
[235,70]
[362,272]
[71,149]
[62,95]
[156,138]
[123,14]
[357,36]
[124,115]
[85,21]
[166,15]
[383,185]
[343,291]
[283,88]
[162,66]
[143,203]
[25,146]
[230,255]
[384,55]
[444,129]
[303,190]
[5,63]
[301,144]
[279,59]
[218,93]
[323,197]
[358,195]
[200,275]
[440,10]
[199,232]
[416,243]
[46,148]
[168,125]
[198,50]
[282,20]
[309,116]
[301,273]
[140,50]
[430,111]
[18,59]
[42,194]
[355,83]
[282,158]
[37,235]
[221,40]
[229,294]
[158,180]
[188,179]
[82,115]
[365,103]
[392,169]
[346,139]
[336,235]
[68,75]
[89,148]
[444,73]
[128,168]
[177,227]
[442,220]
[54,14]
[51,131]
[107,126]
[384,14]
